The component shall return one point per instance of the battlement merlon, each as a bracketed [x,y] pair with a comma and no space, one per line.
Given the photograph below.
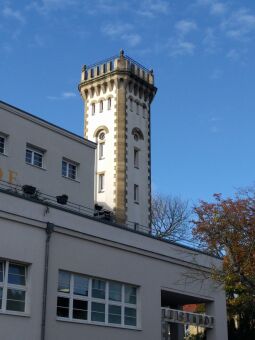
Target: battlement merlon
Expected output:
[119,64]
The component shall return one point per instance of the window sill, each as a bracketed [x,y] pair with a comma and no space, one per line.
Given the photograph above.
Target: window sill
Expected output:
[71,179]
[4,154]
[94,323]
[136,167]
[136,202]
[101,158]
[101,191]
[36,166]
[13,313]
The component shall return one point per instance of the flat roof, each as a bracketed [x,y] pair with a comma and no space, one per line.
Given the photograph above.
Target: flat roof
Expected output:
[46,124]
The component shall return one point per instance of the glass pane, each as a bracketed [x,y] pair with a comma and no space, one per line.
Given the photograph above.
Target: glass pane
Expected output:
[130,294]
[37,159]
[16,300]
[1,295]
[114,314]
[72,171]
[81,285]
[1,271]
[2,144]
[130,316]
[64,168]
[29,156]
[17,274]
[98,289]
[98,312]
[63,282]
[63,307]
[115,291]
[80,309]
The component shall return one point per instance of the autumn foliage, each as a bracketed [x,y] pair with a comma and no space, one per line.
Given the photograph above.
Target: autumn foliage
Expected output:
[226,228]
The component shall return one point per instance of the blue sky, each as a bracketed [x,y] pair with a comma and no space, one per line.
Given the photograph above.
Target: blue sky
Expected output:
[203,56]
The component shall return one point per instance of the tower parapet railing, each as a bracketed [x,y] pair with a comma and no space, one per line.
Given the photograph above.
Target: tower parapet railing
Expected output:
[118,62]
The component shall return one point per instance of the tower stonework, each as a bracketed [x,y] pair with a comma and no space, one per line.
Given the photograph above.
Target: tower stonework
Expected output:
[117,94]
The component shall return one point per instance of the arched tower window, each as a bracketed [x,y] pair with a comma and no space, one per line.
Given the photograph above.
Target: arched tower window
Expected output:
[137,133]
[101,106]
[101,144]
[109,103]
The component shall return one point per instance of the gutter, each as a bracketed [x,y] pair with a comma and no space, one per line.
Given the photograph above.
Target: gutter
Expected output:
[49,230]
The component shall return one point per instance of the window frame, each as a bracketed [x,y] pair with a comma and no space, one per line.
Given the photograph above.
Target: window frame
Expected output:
[38,151]
[101,182]
[136,158]
[4,137]
[106,301]
[93,108]
[5,286]
[109,103]
[101,106]
[68,163]
[136,193]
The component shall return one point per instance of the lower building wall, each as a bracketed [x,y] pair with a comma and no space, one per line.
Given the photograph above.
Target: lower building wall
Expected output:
[70,252]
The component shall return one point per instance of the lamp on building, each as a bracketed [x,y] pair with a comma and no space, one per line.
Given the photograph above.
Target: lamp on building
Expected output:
[62,199]
[29,189]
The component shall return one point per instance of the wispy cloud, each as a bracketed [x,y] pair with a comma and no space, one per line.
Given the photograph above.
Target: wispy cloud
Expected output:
[63,96]
[10,13]
[122,31]
[239,25]
[184,27]
[152,8]
[218,8]
[180,48]
[215,75]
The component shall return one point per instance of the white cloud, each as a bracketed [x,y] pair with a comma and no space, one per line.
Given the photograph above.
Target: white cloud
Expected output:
[218,8]
[62,96]
[233,55]
[152,8]
[239,25]
[122,31]
[185,26]
[210,41]
[180,48]
[215,75]
[8,12]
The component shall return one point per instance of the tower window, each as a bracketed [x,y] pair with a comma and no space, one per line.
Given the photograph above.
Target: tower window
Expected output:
[136,158]
[137,108]
[101,150]
[92,73]
[104,68]
[98,70]
[93,108]
[109,103]
[131,104]
[101,106]
[111,65]
[101,182]
[136,193]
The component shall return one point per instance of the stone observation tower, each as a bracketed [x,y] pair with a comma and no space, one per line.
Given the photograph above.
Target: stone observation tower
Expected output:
[117,94]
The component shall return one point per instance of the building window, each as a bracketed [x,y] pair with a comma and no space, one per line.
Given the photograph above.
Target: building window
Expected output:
[93,108]
[69,169]
[101,106]
[131,104]
[109,103]
[2,144]
[144,111]
[137,108]
[94,300]
[136,193]
[13,286]
[136,158]
[34,156]
[101,182]
[101,150]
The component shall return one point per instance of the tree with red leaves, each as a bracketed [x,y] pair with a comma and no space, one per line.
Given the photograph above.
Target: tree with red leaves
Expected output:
[226,228]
